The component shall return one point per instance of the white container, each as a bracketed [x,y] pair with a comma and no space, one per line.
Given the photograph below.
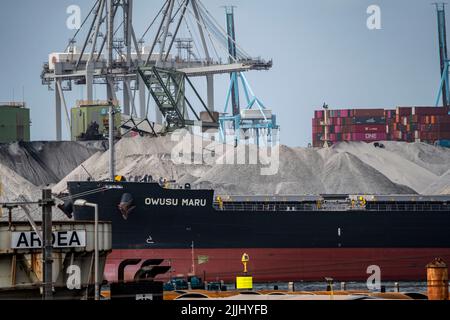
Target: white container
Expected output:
[256,114]
[57,57]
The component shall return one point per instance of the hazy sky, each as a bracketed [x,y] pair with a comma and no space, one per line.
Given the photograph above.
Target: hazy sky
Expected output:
[322,52]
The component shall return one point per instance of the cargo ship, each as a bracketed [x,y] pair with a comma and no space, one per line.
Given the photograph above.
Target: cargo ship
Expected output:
[288,238]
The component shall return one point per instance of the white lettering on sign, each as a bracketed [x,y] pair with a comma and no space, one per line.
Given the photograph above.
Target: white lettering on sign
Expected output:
[61,239]
[175,202]
[370,135]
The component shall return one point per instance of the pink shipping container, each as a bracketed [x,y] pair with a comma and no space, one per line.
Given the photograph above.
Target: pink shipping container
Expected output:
[317,129]
[368,112]
[362,128]
[335,121]
[337,129]
[423,119]
[404,111]
[344,113]
[371,136]
[340,113]
[397,135]
[318,114]
[389,114]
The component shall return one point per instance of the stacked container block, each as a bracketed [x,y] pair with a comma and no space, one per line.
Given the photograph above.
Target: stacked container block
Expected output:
[410,124]
[422,124]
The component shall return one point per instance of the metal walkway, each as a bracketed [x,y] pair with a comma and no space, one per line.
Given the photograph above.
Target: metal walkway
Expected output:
[167,88]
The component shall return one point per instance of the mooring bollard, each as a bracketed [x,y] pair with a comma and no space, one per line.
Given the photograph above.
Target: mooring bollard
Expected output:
[437,280]
[291,287]
[330,282]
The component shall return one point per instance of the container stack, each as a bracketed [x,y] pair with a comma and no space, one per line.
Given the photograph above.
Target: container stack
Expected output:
[420,124]
[410,124]
[348,125]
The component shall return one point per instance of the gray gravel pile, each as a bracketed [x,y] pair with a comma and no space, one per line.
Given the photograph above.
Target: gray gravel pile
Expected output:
[26,167]
[355,167]
[440,186]
[43,163]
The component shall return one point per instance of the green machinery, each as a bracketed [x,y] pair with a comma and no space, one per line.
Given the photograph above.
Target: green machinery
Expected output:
[167,88]
[89,120]
[14,122]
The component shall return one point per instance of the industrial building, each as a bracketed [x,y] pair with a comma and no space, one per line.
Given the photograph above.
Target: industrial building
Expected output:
[14,122]
[90,120]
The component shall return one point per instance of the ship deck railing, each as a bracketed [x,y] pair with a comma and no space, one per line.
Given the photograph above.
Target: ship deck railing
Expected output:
[253,206]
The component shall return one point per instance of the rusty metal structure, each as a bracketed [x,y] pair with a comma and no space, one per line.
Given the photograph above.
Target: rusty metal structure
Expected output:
[437,280]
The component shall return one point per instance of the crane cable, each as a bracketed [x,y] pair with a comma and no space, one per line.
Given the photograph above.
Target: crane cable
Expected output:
[84,22]
[203,26]
[224,33]
[192,36]
[154,20]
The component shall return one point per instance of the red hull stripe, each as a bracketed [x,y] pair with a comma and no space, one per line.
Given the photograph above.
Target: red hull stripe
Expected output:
[268,264]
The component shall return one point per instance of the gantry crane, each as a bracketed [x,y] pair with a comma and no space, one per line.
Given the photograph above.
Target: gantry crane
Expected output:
[112,55]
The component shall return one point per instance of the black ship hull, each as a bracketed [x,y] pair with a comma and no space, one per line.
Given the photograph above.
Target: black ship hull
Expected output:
[193,233]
